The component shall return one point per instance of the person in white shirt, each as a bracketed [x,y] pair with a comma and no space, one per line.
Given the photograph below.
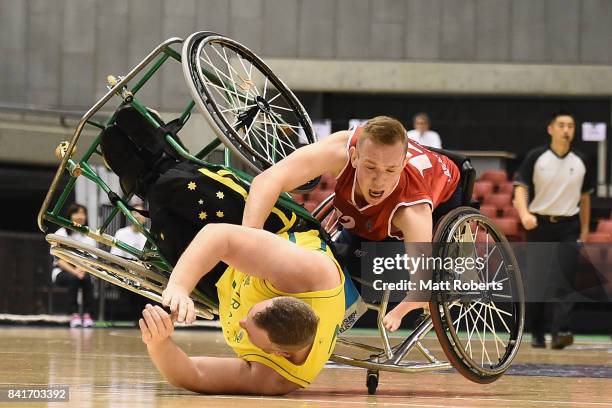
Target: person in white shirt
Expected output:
[67,275]
[421,133]
[130,235]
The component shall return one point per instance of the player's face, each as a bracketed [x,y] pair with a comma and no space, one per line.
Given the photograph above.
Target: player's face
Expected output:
[561,130]
[378,168]
[257,335]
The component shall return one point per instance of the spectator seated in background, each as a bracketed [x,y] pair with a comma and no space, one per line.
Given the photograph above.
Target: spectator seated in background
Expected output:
[67,275]
[421,132]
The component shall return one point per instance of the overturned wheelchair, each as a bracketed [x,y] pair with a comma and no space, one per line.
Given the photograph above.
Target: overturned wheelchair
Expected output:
[259,121]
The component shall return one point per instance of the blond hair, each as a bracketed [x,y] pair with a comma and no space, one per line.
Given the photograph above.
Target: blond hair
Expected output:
[384,130]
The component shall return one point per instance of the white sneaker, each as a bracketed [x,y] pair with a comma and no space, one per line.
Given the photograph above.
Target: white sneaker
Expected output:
[75,320]
[87,320]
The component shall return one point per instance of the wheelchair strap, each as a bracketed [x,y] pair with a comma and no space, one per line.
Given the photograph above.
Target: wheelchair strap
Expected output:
[114,199]
[172,127]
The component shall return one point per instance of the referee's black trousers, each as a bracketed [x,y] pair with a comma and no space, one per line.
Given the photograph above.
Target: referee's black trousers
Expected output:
[551,273]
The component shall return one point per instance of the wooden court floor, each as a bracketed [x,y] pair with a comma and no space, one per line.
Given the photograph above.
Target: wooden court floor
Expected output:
[110,368]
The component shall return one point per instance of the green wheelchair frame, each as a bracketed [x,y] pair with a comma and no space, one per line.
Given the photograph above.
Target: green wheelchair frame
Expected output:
[148,273]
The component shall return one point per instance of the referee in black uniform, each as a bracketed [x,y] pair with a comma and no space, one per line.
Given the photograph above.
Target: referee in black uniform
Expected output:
[552,195]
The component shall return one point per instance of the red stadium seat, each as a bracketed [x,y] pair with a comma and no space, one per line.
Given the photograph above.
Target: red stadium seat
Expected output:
[495,176]
[601,237]
[299,198]
[488,210]
[510,212]
[310,205]
[482,189]
[498,200]
[509,226]
[604,226]
[327,182]
[318,195]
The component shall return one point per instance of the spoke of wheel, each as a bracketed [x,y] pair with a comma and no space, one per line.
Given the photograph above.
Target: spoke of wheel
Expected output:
[275,96]
[265,88]
[251,77]
[474,241]
[234,109]
[279,125]
[249,72]
[466,310]
[224,57]
[222,94]
[273,147]
[246,96]
[257,134]
[492,329]
[290,145]
[265,123]
[498,311]
[469,339]
[488,257]
[498,269]
[291,127]
[264,135]
[277,138]
[218,71]
[458,320]
[281,107]
[484,349]
[495,333]
[248,130]
[227,92]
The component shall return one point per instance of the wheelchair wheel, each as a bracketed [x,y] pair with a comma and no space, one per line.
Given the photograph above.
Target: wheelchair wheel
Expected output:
[252,110]
[480,332]
[125,273]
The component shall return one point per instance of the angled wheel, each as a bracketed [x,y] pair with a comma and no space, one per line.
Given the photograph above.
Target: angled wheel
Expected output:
[479,330]
[253,112]
[125,273]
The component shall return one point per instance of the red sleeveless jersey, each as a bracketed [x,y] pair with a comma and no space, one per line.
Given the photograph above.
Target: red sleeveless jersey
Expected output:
[427,178]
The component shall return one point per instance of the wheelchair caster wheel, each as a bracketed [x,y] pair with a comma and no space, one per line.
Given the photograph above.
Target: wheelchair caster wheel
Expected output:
[372,381]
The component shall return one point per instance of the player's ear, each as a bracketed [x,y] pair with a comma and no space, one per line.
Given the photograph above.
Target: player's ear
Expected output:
[282,354]
[353,156]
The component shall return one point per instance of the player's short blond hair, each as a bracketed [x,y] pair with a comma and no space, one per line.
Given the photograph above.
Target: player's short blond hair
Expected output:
[384,130]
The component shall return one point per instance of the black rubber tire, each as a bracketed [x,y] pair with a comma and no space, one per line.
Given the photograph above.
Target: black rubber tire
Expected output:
[203,96]
[372,381]
[451,344]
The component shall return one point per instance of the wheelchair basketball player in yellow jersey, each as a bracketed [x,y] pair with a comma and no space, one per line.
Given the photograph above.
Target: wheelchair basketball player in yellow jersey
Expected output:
[281,295]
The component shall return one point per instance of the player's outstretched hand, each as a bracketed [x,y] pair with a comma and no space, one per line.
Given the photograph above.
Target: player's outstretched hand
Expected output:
[155,326]
[180,304]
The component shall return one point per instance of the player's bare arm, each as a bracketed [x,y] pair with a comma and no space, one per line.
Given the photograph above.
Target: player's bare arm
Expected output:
[287,266]
[415,222]
[303,165]
[212,375]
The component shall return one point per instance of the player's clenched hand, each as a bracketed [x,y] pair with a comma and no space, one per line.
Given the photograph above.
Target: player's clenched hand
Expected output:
[155,325]
[180,304]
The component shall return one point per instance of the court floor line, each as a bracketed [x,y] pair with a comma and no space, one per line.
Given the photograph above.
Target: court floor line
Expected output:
[334,401]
